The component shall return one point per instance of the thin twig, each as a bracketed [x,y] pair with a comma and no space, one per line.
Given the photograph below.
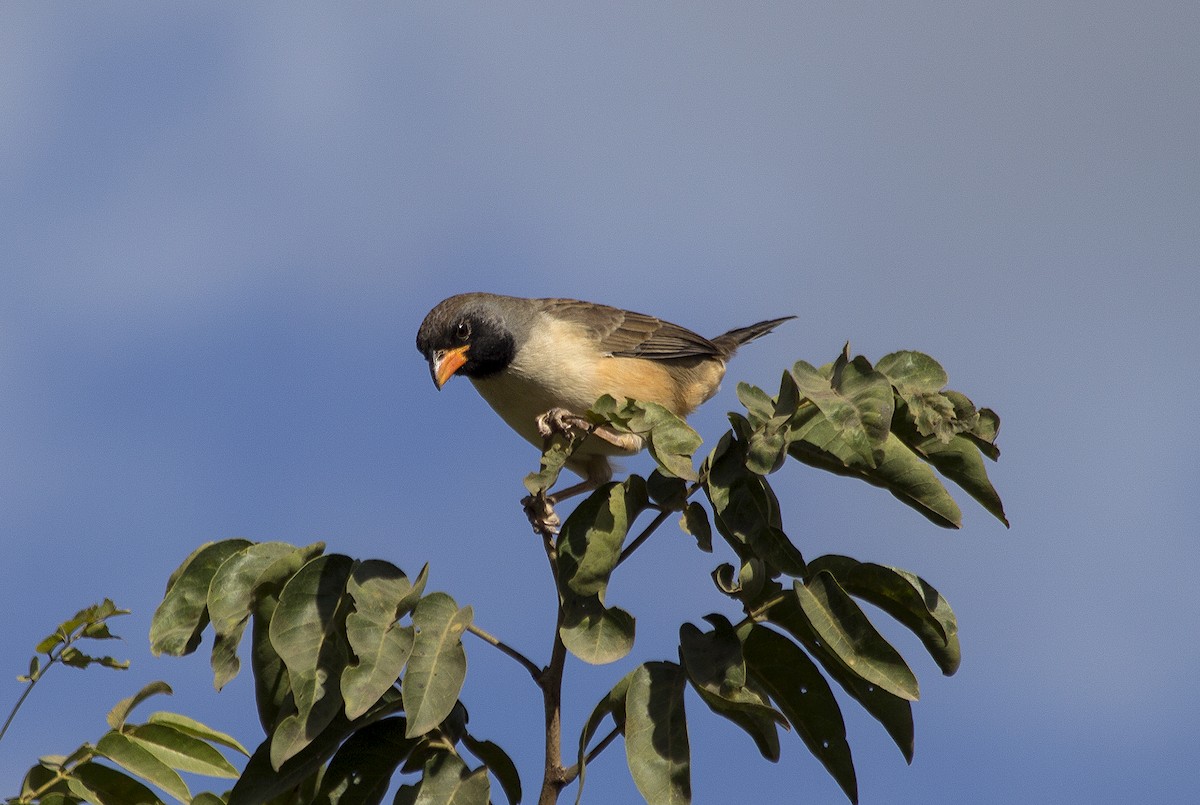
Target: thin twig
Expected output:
[13,714]
[661,518]
[755,615]
[526,663]
[600,747]
[642,537]
[573,772]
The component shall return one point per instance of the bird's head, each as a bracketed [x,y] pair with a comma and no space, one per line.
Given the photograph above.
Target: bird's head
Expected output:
[466,334]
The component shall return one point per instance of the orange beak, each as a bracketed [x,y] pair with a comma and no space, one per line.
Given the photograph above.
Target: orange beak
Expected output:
[445,362]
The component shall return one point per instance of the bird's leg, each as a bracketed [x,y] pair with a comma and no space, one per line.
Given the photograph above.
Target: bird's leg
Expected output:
[540,508]
[627,442]
[560,420]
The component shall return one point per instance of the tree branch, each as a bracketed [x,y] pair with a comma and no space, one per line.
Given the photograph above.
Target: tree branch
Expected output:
[573,772]
[661,518]
[550,681]
[526,663]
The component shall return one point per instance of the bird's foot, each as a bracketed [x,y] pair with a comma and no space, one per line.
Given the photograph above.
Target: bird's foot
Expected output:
[560,420]
[541,514]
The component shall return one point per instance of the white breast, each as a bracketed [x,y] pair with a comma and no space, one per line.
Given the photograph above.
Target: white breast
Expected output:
[554,369]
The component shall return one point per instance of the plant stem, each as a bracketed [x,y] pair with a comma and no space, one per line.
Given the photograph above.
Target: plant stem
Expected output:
[661,518]
[642,537]
[573,772]
[13,714]
[756,614]
[550,681]
[524,661]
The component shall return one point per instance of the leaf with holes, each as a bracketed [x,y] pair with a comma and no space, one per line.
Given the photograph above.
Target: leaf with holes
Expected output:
[906,597]
[797,686]
[846,630]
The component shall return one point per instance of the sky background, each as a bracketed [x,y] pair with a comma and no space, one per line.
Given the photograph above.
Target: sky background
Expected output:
[222,225]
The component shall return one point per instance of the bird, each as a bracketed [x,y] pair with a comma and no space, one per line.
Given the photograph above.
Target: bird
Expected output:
[534,358]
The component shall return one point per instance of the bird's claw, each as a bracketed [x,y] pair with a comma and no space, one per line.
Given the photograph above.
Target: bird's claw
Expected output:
[560,420]
[541,514]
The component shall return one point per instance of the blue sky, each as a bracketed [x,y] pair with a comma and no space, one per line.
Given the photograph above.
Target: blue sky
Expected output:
[222,227]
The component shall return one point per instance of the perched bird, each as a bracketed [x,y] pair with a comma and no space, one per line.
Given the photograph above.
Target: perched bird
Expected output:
[528,357]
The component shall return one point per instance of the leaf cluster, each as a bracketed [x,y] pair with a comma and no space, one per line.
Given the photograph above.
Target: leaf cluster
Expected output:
[89,623]
[357,673]
[155,753]
[803,625]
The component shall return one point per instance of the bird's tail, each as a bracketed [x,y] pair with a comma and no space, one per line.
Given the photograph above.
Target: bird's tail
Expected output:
[730,341]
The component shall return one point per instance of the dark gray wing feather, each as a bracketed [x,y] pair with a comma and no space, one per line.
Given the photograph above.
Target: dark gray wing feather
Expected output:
[626,334]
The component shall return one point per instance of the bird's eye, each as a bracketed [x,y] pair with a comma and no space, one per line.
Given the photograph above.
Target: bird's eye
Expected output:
[463,332]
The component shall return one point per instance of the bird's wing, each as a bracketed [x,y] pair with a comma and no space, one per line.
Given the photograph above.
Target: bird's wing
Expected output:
[625,334]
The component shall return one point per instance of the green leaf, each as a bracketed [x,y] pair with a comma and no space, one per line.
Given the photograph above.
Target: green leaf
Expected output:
[181,750]
[759,404]
[101,785]
[307,629]
[943,427]
[59,798]
[40,777]
[669,440]
[261,782]
[855,400]
[127,754]
[97,631]
[590,543]
[557,450]
[901,472]
[893,712]
[797,686]
[35,666]
[743,503]
[189,726]
[89,618]
[595,633]
[180,619]
[959,460]
[906,597]
[438,664]
[667,492]
[713,660]
[120,711]
[272,687]
[847,632]
[231,601]
[613,704]
[74,658]
[381,645]
[499,764]
[448,781]
[361,771]
[769,421]
[777,551]
[656,739]
[207,798]
[695,522]
[716,668]
[919,380]
[984,433]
